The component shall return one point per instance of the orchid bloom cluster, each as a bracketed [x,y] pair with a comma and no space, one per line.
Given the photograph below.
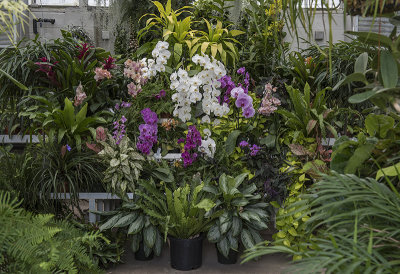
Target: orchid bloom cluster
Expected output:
[101,74]
[208,145]
[228,84]
[136,72]
[122,105]
[269,103]
[239,92]
[141,71]
[148,131]
[119,130]
[254,149]
[189,89]
[161,54]
[80,95]
[192,143]
[161,94]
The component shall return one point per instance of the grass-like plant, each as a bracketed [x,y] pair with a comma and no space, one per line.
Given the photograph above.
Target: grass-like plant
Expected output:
[58,171]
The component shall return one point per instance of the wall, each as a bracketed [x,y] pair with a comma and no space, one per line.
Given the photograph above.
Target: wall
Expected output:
[94,20]
[338,30]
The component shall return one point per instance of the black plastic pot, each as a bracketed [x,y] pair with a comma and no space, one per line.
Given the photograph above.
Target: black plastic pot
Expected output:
[186,254]
[232,257]
[140,255]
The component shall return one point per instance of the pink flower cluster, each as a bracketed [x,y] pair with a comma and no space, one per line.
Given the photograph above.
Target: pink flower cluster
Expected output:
[134,70]
[102,74]
[269,103]
[80,95]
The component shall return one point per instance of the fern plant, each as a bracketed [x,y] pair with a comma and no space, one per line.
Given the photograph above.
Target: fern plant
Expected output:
[38,244]
[180,213]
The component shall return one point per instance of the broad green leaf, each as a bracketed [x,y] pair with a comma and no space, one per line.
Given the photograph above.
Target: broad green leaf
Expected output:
[149,236]
[361,97]
[389,71]
[81,114]
[378,124]
[214,234]
[223,247]
[68,113]
[137,225]
[247,239]
[236,226]
[126,220]
[361,154]
[110,223]
[230,143]
[361,63]
[206,204]
[391,171]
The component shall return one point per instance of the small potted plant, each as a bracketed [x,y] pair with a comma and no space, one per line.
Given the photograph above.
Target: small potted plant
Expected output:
[182,215]
[147,240]
[241,216]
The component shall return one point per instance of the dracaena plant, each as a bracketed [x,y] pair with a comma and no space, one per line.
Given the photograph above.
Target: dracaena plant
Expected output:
[66,124]
[181,213]
[241,214]
[141,227]
[124,165]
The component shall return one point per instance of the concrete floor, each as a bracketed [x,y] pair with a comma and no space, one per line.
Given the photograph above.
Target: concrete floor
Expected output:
[270,264]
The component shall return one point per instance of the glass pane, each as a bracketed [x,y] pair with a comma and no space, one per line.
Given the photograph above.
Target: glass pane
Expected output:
[55,2]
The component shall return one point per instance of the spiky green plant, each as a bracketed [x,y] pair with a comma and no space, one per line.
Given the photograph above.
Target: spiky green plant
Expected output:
[357,226]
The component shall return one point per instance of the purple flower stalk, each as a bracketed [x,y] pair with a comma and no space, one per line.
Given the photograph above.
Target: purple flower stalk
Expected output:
[254,150]
[243,144]
[148,131]
[192,142]
[241,70]
[119,130]
[68,147]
